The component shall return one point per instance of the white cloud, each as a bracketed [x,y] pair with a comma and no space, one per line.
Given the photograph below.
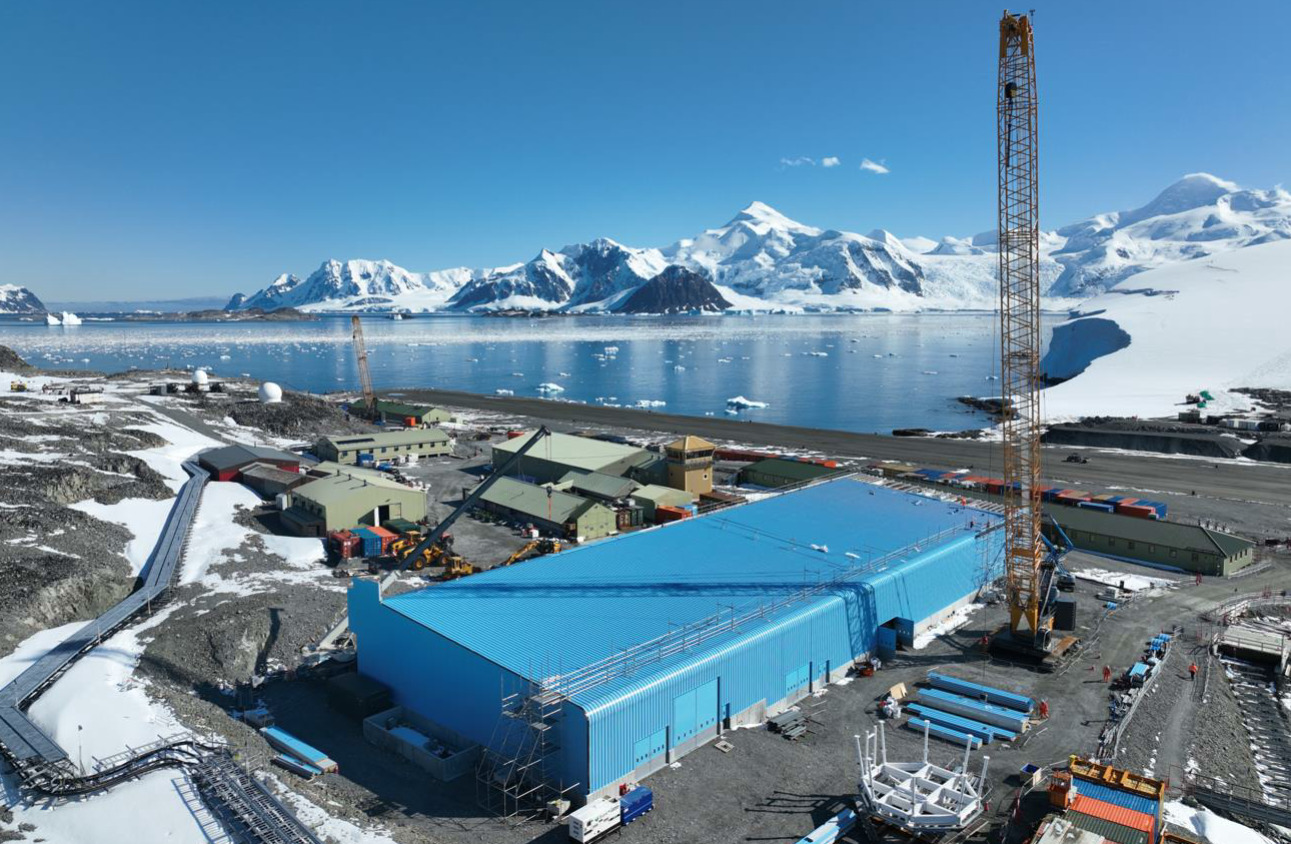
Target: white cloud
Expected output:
[874,166]
[830,161]
[798,161]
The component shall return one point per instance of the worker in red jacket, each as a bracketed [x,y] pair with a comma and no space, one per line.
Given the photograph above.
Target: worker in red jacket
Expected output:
[1192,671]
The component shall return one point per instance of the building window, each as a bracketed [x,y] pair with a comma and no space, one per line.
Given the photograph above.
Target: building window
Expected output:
[1195,556]
[1173,553]
[1111,542]
[1152,549]
[1130,545]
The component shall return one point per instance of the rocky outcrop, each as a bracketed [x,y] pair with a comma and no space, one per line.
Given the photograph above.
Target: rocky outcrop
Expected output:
[676,290]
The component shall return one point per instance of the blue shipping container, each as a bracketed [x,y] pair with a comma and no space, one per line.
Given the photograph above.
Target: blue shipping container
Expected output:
[636,803]
[1097,505]
[371,542]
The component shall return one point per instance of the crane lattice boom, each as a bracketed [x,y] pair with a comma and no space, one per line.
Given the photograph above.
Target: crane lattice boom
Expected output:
[1019,254]
[365,377]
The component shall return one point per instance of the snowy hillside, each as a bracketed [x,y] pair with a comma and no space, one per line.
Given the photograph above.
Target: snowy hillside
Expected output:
[19,300]
[1196,217]
[1211,324]
[761,260]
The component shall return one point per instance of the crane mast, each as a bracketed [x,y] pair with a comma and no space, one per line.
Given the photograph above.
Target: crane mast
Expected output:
[365,377]
[1019,266]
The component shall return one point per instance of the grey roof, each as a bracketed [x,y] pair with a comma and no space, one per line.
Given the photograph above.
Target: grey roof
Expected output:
[537,501]
[233,456]
[269,472]
[1170,534]
[599,484]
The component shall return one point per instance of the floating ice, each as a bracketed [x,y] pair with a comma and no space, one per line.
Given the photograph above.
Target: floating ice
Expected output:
[549,387]
[651,403]
[745,403]
[502,391]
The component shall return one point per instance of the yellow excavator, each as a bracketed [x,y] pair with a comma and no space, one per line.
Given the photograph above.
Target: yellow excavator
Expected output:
[534,548]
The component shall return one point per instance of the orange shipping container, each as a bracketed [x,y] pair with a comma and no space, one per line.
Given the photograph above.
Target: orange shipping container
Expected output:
[1116,814]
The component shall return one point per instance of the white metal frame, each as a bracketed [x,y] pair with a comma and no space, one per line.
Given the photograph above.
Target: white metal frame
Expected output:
[918,796]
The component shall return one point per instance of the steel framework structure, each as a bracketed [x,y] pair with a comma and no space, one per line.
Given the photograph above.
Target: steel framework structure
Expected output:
[1019,253]
[361,354]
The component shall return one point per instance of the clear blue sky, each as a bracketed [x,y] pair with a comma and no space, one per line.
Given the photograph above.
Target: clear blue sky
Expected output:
[177,149]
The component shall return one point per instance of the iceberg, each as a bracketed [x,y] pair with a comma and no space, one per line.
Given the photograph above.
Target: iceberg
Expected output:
[742,403]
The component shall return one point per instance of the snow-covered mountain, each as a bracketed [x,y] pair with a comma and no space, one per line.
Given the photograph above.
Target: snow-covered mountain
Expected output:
[359,285]
[19,300]
[1198,216]
[762,260]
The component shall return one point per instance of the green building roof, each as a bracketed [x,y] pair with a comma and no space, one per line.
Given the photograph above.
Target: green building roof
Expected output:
[584,453]
[540,502]
[599,484]
[1178,535]
[412,436]
[398,408]
[793,471]
[338,487]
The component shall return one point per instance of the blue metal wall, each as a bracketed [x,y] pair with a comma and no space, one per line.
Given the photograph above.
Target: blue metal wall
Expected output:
[445,682]
[826,634]
[448,682]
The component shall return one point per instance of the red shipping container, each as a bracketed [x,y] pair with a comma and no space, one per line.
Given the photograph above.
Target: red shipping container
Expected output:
[1116,814]
[663,513]
[1136,510]
[511,435]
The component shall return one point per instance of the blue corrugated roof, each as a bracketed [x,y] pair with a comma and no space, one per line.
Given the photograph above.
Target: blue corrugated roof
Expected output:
[559,613]
[1117,797]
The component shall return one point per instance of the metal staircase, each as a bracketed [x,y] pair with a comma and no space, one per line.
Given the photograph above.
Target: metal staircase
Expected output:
[244,807]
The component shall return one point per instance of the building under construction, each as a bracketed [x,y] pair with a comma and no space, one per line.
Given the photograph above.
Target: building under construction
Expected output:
[617,658]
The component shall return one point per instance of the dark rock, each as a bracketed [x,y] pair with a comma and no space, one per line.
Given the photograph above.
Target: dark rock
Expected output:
[676,290]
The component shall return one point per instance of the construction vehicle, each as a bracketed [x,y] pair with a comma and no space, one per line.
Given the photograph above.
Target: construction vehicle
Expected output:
[365,376]
[534,548]
[18,387]
[1030,573]
[454,564]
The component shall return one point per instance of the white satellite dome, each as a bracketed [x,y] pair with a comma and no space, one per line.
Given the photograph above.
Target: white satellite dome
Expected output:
[200,377]
[270,393]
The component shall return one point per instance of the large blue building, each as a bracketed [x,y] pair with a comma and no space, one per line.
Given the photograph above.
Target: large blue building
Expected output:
[635,650]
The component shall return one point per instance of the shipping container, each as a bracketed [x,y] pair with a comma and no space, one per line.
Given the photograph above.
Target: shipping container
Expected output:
[292,746]
[1159,506]
[1097,505]
[636,803]
[1136,510]
[1116,796]
[665,513]
[1116,814]
[595,820]
[1107,496]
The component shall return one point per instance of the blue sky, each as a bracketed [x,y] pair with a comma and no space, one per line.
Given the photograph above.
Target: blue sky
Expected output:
[175,149]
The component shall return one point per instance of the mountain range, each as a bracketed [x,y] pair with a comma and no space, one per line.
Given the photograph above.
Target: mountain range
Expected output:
[762,260]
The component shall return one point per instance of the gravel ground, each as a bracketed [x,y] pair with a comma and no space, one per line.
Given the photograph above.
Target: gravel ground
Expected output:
[214,648]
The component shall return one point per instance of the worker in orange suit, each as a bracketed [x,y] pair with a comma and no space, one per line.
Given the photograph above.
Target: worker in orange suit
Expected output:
[1192,672]
[1044,709]
[1107,673]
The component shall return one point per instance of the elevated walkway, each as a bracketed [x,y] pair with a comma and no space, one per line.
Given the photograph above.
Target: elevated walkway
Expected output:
[20,739]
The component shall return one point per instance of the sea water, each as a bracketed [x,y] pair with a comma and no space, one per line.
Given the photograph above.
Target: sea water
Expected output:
[870,372]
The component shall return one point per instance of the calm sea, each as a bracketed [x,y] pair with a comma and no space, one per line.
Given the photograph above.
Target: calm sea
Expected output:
[872,372]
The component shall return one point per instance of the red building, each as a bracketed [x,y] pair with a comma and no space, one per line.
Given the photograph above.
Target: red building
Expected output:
[227,463]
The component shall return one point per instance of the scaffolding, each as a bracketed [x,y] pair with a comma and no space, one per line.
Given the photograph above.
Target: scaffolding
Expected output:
[518,776]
